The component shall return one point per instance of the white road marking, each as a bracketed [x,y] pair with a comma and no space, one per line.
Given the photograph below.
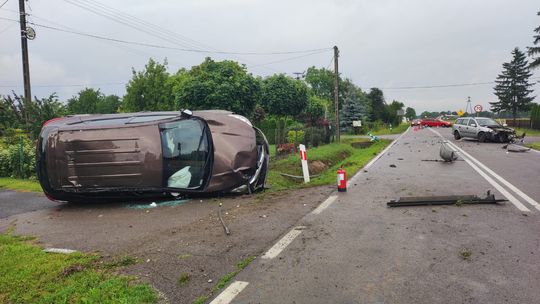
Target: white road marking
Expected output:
[59,250]
[230,293]
[497,186]
[324,204]
[500,178]
[284,242]
[371,162]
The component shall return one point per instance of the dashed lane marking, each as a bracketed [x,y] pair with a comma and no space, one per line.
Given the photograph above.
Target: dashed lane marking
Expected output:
[230,293]
[324,204]
[284,242]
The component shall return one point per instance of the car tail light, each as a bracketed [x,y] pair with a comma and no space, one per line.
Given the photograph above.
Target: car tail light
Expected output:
[51,120]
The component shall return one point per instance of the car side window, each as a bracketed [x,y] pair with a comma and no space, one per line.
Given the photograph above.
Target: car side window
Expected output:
[459,121]
[464,121]
[471,122]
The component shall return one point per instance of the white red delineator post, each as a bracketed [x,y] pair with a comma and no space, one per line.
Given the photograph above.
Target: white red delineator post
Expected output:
[303,157]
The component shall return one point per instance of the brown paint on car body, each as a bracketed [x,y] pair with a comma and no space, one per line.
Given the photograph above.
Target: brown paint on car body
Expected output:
[120,160]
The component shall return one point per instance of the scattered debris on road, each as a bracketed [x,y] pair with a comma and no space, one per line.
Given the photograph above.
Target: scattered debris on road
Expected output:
[227,231]
[447,153]
[515,148]
[457,200]
[393,166]
[59,250]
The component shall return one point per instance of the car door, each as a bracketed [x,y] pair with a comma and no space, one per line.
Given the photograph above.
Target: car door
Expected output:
[472,128]
[461,127]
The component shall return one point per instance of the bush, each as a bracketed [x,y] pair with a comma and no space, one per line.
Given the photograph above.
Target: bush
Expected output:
[17,157]
[295,137]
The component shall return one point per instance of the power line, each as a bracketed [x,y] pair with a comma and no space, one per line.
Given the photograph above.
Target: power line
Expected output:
[288,59]
[67,85]
[3,3]
[442,85]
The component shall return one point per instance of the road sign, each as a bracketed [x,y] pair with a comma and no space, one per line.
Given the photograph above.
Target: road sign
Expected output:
[478,108]
[460,112]
[356,123]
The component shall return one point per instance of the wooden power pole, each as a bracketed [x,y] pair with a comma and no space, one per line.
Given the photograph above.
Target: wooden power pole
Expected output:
[336,91]
[24,46]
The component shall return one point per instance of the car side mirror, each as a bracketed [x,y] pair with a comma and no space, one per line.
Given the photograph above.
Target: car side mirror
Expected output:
[473,125]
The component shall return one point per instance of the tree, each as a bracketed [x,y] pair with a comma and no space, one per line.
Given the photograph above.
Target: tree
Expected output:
[29,115]
[284,96]
[314,111]
[321,82]
[513,86]
[377,103]
[91,101]
[410,113]
[534,51]
[149,90]
[222,85]
[391,112]
[353,109]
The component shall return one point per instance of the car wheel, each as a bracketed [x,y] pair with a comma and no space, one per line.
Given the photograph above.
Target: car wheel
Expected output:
[456,135]
[482,137]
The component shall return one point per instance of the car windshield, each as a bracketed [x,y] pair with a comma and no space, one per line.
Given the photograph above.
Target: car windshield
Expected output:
[185,150]
[487,122]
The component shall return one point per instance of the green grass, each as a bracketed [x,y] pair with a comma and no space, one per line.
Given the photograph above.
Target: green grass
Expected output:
[19,184]
[223,281]
[529,132]
[333,155]
[29,275]
[386,131]
[184,279]
[534,145]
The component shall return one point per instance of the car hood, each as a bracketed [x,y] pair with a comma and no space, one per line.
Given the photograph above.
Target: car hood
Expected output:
[501,129]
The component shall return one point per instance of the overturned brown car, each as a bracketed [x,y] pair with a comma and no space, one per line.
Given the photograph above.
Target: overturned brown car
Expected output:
[122,157]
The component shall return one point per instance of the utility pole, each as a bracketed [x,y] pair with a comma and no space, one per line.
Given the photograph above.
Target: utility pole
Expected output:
[24,46]
[298,75]
[336,91]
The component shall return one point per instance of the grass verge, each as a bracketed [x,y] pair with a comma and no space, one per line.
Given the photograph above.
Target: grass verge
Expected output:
[386,131]
[534,145]
[529,132]
[25,185]
[225,280]
[332,156]
[30,275]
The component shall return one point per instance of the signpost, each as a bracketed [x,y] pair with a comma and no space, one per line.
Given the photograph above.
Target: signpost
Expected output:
[303,157]
[477,109]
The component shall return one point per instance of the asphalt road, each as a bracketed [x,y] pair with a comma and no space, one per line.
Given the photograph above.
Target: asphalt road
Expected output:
[12,202]
[353,249]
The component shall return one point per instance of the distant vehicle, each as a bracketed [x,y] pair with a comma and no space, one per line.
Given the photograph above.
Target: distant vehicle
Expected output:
[483,129]
[415,122]
[119,157]
[433,122]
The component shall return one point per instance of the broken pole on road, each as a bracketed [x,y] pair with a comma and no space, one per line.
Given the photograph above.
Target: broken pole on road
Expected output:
[457,200]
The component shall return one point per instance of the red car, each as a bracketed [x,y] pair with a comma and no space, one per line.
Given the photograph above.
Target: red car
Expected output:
[432,122]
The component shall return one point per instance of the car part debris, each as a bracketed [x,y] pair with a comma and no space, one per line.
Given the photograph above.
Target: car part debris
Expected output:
[59,250]
[227,231]
[447,153]
[298,177]
[444,200]
[515,148]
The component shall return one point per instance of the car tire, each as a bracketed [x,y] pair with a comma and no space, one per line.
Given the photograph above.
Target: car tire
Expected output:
[482,137]
[457,135]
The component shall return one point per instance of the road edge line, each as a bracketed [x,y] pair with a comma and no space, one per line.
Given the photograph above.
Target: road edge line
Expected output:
[497,186]
[227,295]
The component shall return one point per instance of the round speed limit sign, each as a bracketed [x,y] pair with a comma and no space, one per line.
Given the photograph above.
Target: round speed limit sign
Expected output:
[478,108]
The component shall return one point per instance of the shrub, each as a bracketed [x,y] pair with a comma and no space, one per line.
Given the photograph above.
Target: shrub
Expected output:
[17,157]
[295,136]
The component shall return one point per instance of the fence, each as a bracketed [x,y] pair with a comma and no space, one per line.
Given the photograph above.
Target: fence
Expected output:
[287,140]
[525,123]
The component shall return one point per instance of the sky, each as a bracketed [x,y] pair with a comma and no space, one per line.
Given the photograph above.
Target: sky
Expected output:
[388,44]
